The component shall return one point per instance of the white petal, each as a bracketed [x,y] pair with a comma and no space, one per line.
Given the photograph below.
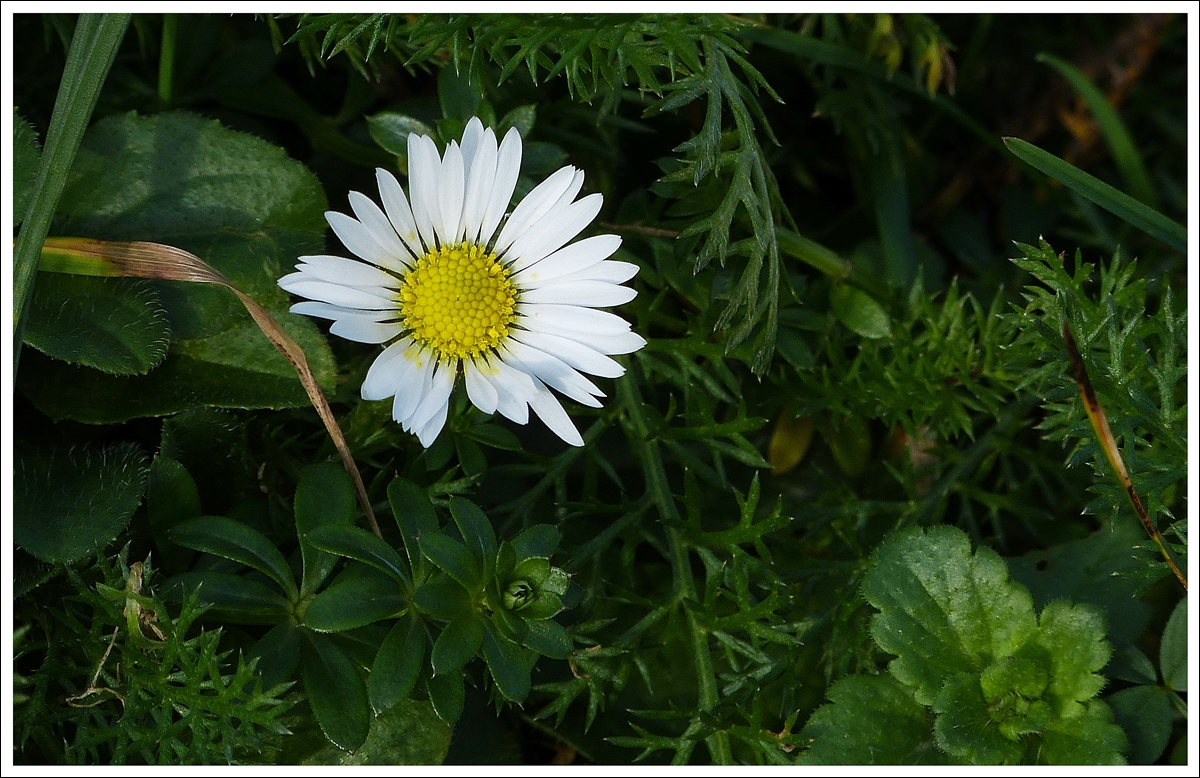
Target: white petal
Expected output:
[336,294]
[508,168]
[610,270]
[514,390]
[423,170]
[362,330]
[572,318]
[396,205]
[437,396]
[479,389]
[553,232]
[429,433]
[481,176]
[359,240]
[569,259]
[347,272]
[384,376]
[572,352]
[381,229]
[551,412]
[535,205]
[624,343]
[450,197]
[555,372]
[327,311]
[592,294]
[414,384]
[472,136]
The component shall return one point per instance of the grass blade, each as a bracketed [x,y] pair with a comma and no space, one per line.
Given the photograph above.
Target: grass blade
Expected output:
[1109,198]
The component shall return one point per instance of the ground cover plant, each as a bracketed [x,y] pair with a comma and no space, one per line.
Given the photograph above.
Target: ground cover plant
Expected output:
[694,389]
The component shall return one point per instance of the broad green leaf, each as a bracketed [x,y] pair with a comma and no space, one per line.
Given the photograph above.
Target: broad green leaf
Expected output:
[548,638]
[446,694]
[324,496]
[1173,653]
[278,654]
[944,610]
[408,734]
[442,598]
[398,664]
[1098,570]
[357,543]
[545,605]
[1073,635]
[494,436]
[1090,738]
[1144,712]
[354,603]
[458,643]
[416,517]
[540,540]
[453,557]
[523,117]
[171,499]
[239,542]
[234,598]
[965,728]
[335,688]
[859,312]
[68,503]
[457,95]
[390,131]
[27,157]
[477,532]
[1094,190]
[508,664]
[115,325]
[1129,663]
[870,719]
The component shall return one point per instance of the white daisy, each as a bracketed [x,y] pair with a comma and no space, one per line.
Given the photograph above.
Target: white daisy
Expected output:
[451,285]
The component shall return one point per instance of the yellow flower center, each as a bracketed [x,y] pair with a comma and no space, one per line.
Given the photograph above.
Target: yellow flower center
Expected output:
[458,301]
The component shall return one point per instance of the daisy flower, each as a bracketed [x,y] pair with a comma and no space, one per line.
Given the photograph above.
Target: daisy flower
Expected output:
[453,285]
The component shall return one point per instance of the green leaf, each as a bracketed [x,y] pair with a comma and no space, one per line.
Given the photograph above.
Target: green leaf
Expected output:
[415,517]
[398,664]
[239,542]
[408,734]
[477,532]
[453,557]
[1116,135]
[943,610]
[442,598]
[171,499]
[1090,738]
[70,503]
[523,117]
[1074,637]
[1173,653]
[548,638]
[233,598]
[859,312]
[495,437]
[457,95]
[27,157]
[390,130]
[357,543]
[965,728]
[1144,712]
[871,719]
[278,654]
[458,643]
[1094,190]
[335,688]
[446,694]
[354,603]
[508,664]
[115,325]
[324,496]
[540,540]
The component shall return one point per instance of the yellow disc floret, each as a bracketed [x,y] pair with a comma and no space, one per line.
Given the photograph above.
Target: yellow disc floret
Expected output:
[458,301]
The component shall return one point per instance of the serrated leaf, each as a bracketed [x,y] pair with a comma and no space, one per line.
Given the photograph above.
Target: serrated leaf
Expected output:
[548,638]
[458,643]
[1090,738]
[477,532]
[324,496]
[1144,712]
[522,117]
[509,667]
[278,654]
[540,540]
[68,503]
[114,325]
[336,690]
[446,694]
[454,558]
[1074,637]
[239,542]
[965,728]
[359,544]
[944,611]
[442,598]
[398,664]
[1173,653]
[871,719]
[354,603]
[415,517]
[390,131]
[233,597]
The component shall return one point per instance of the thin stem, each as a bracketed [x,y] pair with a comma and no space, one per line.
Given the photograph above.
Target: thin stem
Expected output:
[166,60]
